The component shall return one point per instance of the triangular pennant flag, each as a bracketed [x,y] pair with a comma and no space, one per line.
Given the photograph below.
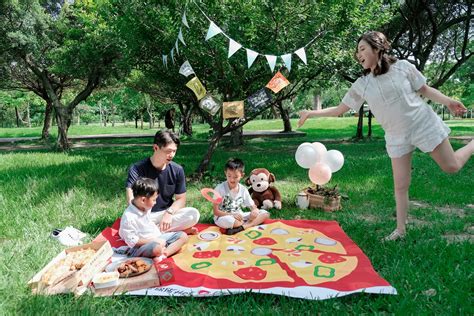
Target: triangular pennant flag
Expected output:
[301,54]
[180,36]
[184,20]
[186,69]
[165,60]
[251,56]
[271,59]
[212,31]
[176,46]
[277,83]
[287,60]
[233,47]
[172,55]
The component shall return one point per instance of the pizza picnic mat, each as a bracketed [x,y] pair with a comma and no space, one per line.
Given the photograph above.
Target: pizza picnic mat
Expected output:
[297,258]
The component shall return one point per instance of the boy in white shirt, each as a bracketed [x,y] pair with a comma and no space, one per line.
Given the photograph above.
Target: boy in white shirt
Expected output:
[228,214]
[140,233]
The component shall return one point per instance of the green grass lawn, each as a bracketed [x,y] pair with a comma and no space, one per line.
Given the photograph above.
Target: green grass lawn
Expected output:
[41,190]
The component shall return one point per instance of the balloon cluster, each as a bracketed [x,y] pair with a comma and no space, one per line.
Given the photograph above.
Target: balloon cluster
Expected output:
[320,161]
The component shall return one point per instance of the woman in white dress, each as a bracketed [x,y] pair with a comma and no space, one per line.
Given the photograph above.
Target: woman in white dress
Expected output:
[393,89]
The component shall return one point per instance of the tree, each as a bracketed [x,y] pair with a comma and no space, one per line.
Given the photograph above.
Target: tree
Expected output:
[55,48]
[264,26]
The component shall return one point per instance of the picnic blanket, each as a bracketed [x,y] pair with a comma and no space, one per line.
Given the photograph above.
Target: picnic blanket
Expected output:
[297,258]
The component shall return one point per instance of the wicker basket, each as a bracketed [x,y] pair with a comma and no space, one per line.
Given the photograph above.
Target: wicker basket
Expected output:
[328,204]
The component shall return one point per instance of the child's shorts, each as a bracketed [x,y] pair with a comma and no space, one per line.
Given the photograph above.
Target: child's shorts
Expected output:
[146,250]
[426,136]
[228,221]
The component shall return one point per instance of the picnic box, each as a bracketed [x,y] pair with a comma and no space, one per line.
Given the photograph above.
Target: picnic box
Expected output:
[146,280]
[165,271]
[78,281]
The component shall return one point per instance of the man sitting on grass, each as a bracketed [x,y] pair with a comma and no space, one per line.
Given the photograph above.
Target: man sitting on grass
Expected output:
[169,211]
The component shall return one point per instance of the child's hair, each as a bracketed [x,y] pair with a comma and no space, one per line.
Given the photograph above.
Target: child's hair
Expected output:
[234,164]
[377,40]
[165,137]
[144,187]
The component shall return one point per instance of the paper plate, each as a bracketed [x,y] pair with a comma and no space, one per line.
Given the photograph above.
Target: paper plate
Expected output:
[115,265]
[217,197]
[206,235]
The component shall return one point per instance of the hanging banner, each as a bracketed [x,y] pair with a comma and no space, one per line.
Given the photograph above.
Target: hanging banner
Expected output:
[233,47]
[259,99]
[212,31]
[176,46]
[186,69]
[287,60]
[180,37]
[301,54]
[197,87]
[165,60]
[184,20]
[277,83]
[251,56]
[271,59]
[210,105]
[233,109]
[172,55]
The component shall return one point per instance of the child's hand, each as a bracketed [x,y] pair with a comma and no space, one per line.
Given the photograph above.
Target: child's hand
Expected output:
[303,117]
[253,214]
[238,216]
[456,108]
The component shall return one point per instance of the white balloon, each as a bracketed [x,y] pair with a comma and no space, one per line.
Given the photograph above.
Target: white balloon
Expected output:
[334,159]
[320,149]
[306,156]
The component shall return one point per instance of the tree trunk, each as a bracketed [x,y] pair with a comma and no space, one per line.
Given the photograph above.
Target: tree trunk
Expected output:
[113,114]
[285,116]
[204,164]
[236,137]
[360,124]
[28,118]
[64,119]
[141,120]
[136,121]
[47,120]
[17,115]
[369,123]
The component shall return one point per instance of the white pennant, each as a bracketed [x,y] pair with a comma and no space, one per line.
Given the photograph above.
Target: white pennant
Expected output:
[184,20]
[271,59]
[301,54]
[165,60]
[176,46]
[212,31]
[287,60]
[172,55]
[180,36]
[233,47]
[251,56]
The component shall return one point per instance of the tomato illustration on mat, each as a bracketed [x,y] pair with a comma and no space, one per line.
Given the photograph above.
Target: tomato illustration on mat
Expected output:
[331,258]
[251,273]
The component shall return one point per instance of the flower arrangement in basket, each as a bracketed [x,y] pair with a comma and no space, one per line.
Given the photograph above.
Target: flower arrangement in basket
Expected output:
[321,164]
[324,198]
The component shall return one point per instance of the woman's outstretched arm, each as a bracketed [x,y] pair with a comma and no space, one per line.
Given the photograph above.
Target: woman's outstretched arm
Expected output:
[331,111]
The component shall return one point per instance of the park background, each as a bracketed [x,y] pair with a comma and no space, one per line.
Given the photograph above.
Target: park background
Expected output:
[76,68]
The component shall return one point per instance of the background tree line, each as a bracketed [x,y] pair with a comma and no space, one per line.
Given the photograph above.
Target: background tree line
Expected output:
[76,61]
